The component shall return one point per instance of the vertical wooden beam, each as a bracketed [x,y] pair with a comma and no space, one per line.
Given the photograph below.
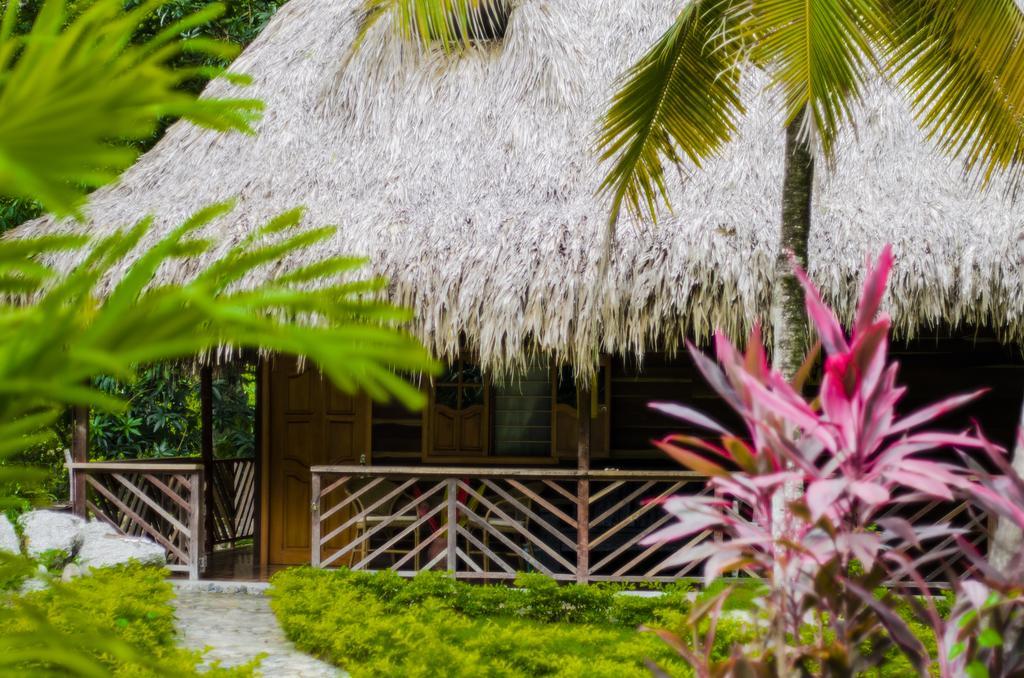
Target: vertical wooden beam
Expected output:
[257,478]
[195,525]
[206,447]
[79,454]
[266,418]
[453,515]
[314,544]
[583,484]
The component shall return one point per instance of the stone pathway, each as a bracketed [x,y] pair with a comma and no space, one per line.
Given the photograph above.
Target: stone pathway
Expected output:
[236,624]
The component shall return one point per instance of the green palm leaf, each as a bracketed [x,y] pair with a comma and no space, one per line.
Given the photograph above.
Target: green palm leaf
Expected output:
[60,132]
[448,24]
[819,53]
[961,65]
[680,100]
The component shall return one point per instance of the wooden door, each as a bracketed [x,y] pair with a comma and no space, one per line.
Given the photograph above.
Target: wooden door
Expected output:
[311,423]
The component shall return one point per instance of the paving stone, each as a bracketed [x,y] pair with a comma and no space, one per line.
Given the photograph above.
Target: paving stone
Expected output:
[236,627]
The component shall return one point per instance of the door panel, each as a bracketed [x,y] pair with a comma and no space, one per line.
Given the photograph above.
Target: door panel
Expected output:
[310,423]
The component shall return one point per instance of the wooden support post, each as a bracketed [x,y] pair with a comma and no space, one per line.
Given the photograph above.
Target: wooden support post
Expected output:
[314,544]
[583,485]
[257,480]
[206,447]
[453,515]
[79,455]
[195,525]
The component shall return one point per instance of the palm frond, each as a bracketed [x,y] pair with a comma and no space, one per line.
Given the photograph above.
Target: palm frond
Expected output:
[74,99]
[448,24]
[681,99]
[818,53]
[961,65]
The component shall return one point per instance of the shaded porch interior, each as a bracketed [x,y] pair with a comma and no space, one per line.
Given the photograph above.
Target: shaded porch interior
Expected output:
[338,480]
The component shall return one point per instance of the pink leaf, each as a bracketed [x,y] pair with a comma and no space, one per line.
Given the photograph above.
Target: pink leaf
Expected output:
[823,317]
[797,414]
[921,483]
[926,414]
[684,528]
[874,289]
[822,494]
[690,415]
[869,493]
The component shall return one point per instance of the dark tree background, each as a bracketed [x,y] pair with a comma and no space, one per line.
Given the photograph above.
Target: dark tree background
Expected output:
[162,418]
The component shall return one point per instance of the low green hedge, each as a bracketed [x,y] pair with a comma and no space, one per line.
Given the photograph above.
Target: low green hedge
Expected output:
[117,621]
[432,625]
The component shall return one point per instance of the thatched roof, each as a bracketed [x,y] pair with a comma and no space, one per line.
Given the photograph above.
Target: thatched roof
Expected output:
[470,181]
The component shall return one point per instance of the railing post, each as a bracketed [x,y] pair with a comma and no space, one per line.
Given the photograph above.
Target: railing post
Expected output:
[195,525]
[206,448]
[583,485]
[315,507]
[452,517]
[79,454]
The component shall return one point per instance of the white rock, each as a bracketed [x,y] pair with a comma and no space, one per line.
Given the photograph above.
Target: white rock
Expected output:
[9,541]
[50,530]
[34,584]
[105,549]
[96,528]
[71,571]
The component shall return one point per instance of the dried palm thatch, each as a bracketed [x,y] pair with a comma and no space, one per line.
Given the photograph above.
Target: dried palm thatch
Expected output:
[469,180]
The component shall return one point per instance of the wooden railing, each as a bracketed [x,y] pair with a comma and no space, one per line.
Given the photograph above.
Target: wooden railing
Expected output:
[505,521]
[234,500]
[159,500]
[490,523]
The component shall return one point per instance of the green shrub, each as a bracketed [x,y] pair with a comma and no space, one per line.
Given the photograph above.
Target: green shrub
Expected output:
[379,624]
[127,607]
[433,625]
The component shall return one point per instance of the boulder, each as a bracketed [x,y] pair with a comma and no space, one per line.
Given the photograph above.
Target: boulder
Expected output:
[9,541]
[71,571]
[34,584]
[51,531]
[105,548]
[96,528]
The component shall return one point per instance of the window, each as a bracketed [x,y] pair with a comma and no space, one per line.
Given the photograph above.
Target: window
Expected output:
[459,412]
[566,423]
[522,415]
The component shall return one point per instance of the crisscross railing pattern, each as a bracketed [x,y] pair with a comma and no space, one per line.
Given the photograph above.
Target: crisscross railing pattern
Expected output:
[234,500]
[159,501]
[492,524]
[624,510]
[973,526]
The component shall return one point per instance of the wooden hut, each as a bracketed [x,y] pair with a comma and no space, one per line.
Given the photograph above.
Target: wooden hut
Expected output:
[470,181]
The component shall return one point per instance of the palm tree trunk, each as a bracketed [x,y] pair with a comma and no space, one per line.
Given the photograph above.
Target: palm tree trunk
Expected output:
[788,317]
[1007,538]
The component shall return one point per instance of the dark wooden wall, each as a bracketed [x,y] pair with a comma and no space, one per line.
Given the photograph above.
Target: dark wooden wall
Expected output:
[943,363]
[933,365]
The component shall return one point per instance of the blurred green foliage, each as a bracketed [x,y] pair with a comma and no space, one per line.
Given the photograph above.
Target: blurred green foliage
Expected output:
[121,617]
[74,98]
[162,418]
[240,23]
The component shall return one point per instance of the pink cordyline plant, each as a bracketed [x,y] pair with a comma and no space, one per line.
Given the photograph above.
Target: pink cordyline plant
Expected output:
[855,458]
